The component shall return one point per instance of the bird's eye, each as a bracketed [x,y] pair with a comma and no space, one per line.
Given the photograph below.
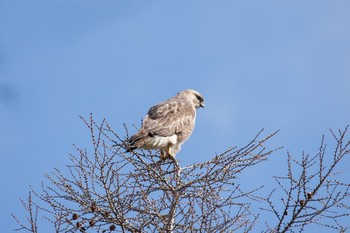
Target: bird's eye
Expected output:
[199,98]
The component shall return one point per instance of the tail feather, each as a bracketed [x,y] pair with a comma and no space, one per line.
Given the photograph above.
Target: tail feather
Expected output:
[132,143]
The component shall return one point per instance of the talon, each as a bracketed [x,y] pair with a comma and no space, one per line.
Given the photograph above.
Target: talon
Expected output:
[170,154]
[163,155]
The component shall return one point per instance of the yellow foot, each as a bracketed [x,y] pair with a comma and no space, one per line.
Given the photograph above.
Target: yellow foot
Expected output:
[167,155]
[170,154]
[163,155]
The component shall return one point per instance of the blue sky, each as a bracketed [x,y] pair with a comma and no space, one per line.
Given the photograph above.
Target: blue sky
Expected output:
[259,64]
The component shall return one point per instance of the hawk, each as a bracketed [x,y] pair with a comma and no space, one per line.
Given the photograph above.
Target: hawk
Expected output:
[168,124]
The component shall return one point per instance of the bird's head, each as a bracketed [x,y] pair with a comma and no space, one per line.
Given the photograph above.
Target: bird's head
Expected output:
[193,96]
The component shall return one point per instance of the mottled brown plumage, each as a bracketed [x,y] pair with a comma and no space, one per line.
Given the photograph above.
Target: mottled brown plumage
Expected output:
[168,124]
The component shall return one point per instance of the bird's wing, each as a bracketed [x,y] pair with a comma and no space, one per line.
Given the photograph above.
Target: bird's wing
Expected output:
[169,118]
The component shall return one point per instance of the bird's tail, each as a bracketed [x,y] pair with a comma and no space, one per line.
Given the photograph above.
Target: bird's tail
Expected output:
[130,148]
[133,142]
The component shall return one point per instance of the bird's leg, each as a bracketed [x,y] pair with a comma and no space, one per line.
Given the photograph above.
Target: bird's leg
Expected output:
[163,155]
[170,153]
[167,154]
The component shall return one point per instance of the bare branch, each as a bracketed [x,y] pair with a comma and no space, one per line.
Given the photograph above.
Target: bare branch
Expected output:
[311,192]
[104,189]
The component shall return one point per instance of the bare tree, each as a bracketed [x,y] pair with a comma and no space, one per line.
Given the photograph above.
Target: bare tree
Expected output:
[311,192]
[105,189]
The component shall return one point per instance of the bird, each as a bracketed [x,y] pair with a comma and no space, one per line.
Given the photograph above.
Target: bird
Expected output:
[168,124]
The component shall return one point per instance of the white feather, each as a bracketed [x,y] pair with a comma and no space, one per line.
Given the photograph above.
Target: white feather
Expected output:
[162,142]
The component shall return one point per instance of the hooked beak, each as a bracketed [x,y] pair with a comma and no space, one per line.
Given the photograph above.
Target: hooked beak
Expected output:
[202,105]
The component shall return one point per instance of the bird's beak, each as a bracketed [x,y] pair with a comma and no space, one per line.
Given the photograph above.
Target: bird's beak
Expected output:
[202,105]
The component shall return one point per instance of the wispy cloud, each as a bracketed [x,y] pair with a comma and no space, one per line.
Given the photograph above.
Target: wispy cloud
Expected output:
[8,93]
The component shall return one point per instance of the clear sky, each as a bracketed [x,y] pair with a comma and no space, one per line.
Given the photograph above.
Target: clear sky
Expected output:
[259,64]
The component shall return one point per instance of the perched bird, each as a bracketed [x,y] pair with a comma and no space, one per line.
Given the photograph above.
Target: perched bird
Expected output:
[168,124]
